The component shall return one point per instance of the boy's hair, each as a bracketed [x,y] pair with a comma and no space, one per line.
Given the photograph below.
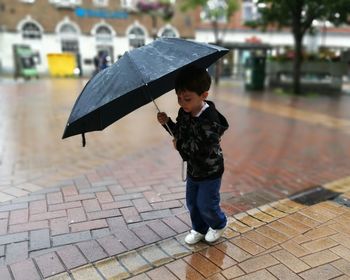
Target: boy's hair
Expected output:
[193,79]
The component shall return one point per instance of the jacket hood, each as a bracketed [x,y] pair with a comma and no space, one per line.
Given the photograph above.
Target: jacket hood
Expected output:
[220,123]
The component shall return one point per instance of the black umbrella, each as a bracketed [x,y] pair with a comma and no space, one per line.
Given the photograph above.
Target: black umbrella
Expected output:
[137,78]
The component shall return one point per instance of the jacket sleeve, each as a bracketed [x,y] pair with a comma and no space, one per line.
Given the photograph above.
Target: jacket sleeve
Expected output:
[170,125]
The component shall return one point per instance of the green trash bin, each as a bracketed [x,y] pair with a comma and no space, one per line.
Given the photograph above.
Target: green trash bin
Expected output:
[255,73]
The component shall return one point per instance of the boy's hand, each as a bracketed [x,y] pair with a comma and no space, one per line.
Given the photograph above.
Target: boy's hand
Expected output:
[162,118]
[174,143]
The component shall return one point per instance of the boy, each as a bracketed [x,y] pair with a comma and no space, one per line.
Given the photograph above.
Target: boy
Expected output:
[197,134]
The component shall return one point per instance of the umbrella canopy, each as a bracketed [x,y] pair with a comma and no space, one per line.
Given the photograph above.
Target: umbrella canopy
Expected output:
[137,78]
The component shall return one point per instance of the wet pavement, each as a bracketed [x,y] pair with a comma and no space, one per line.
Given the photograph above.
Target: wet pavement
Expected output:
[64,206]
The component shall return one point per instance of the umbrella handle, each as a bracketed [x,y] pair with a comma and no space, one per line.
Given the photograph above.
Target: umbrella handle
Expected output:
[171,133]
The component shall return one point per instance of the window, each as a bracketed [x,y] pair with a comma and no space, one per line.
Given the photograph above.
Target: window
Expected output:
[27,1]
[66,3]
[168,31]
[128,4]
[104,34]
[215,10]
[70,46]
[30,30]
[136,37]
[101,3]
[68,29]
[249,11]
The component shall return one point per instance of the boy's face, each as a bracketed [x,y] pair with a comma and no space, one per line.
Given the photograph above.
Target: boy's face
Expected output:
[190,101]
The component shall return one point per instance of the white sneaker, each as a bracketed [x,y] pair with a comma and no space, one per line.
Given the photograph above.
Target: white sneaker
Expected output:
[193,237]
[214,234]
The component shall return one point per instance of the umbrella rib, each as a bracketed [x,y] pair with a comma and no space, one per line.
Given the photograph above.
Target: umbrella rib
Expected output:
[146,89]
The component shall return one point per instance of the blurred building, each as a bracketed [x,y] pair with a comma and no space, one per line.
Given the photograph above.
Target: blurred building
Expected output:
[82,27]
[235,35]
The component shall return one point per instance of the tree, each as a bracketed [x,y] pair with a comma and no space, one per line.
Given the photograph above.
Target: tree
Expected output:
[218,13]
[299,15]
[161,8]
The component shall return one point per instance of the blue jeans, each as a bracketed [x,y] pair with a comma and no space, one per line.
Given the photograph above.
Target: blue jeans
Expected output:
[203,199]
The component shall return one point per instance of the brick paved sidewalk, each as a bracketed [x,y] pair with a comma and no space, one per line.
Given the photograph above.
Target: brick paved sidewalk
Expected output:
[281,240]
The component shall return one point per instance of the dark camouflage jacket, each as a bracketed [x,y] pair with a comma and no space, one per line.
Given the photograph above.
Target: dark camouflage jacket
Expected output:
[198,142]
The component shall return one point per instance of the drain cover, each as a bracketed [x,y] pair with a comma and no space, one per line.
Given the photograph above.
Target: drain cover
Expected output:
[314,195]
[342,200]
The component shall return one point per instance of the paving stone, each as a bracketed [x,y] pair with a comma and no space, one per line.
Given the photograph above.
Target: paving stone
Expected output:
[286,230]
[146,234]
[173,248]
[131,215]
[25,270]
[202,264]
[66,205]
[319,244]
[101,232]
[83,226]
[304,219]
[176,224]
[321,272]
[3,226]
[16,252]
[103,214]
[18,216]
[290,261]
[111,269]
[261,274]
[128,238]
[299,227]
[233,251]
[257,263]
[92,250]
[342,238]
[342,252]
[87,272]
[320,258]
[342,265]
[28,226]
[154,255]
[153,215]
[38,206]
[183,270]
[15,237]
[282,272]
[39,239]
[91,205]
[93,189]
[161,229]
[128,196]
[4,272]
[233,272]
[14,206]
[49,264]
[272,234]
[134,262]
[247,245]
[59,226]
[79,197]
[116,205]
[69,191]
[48,215]
[295,249]
[111,245]
[142,205]
[104,197]
[71,257]
[248,220]
[161,273]
[70,238]
[54,198]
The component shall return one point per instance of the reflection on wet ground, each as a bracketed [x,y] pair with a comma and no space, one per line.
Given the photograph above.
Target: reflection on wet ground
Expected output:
[272,139]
